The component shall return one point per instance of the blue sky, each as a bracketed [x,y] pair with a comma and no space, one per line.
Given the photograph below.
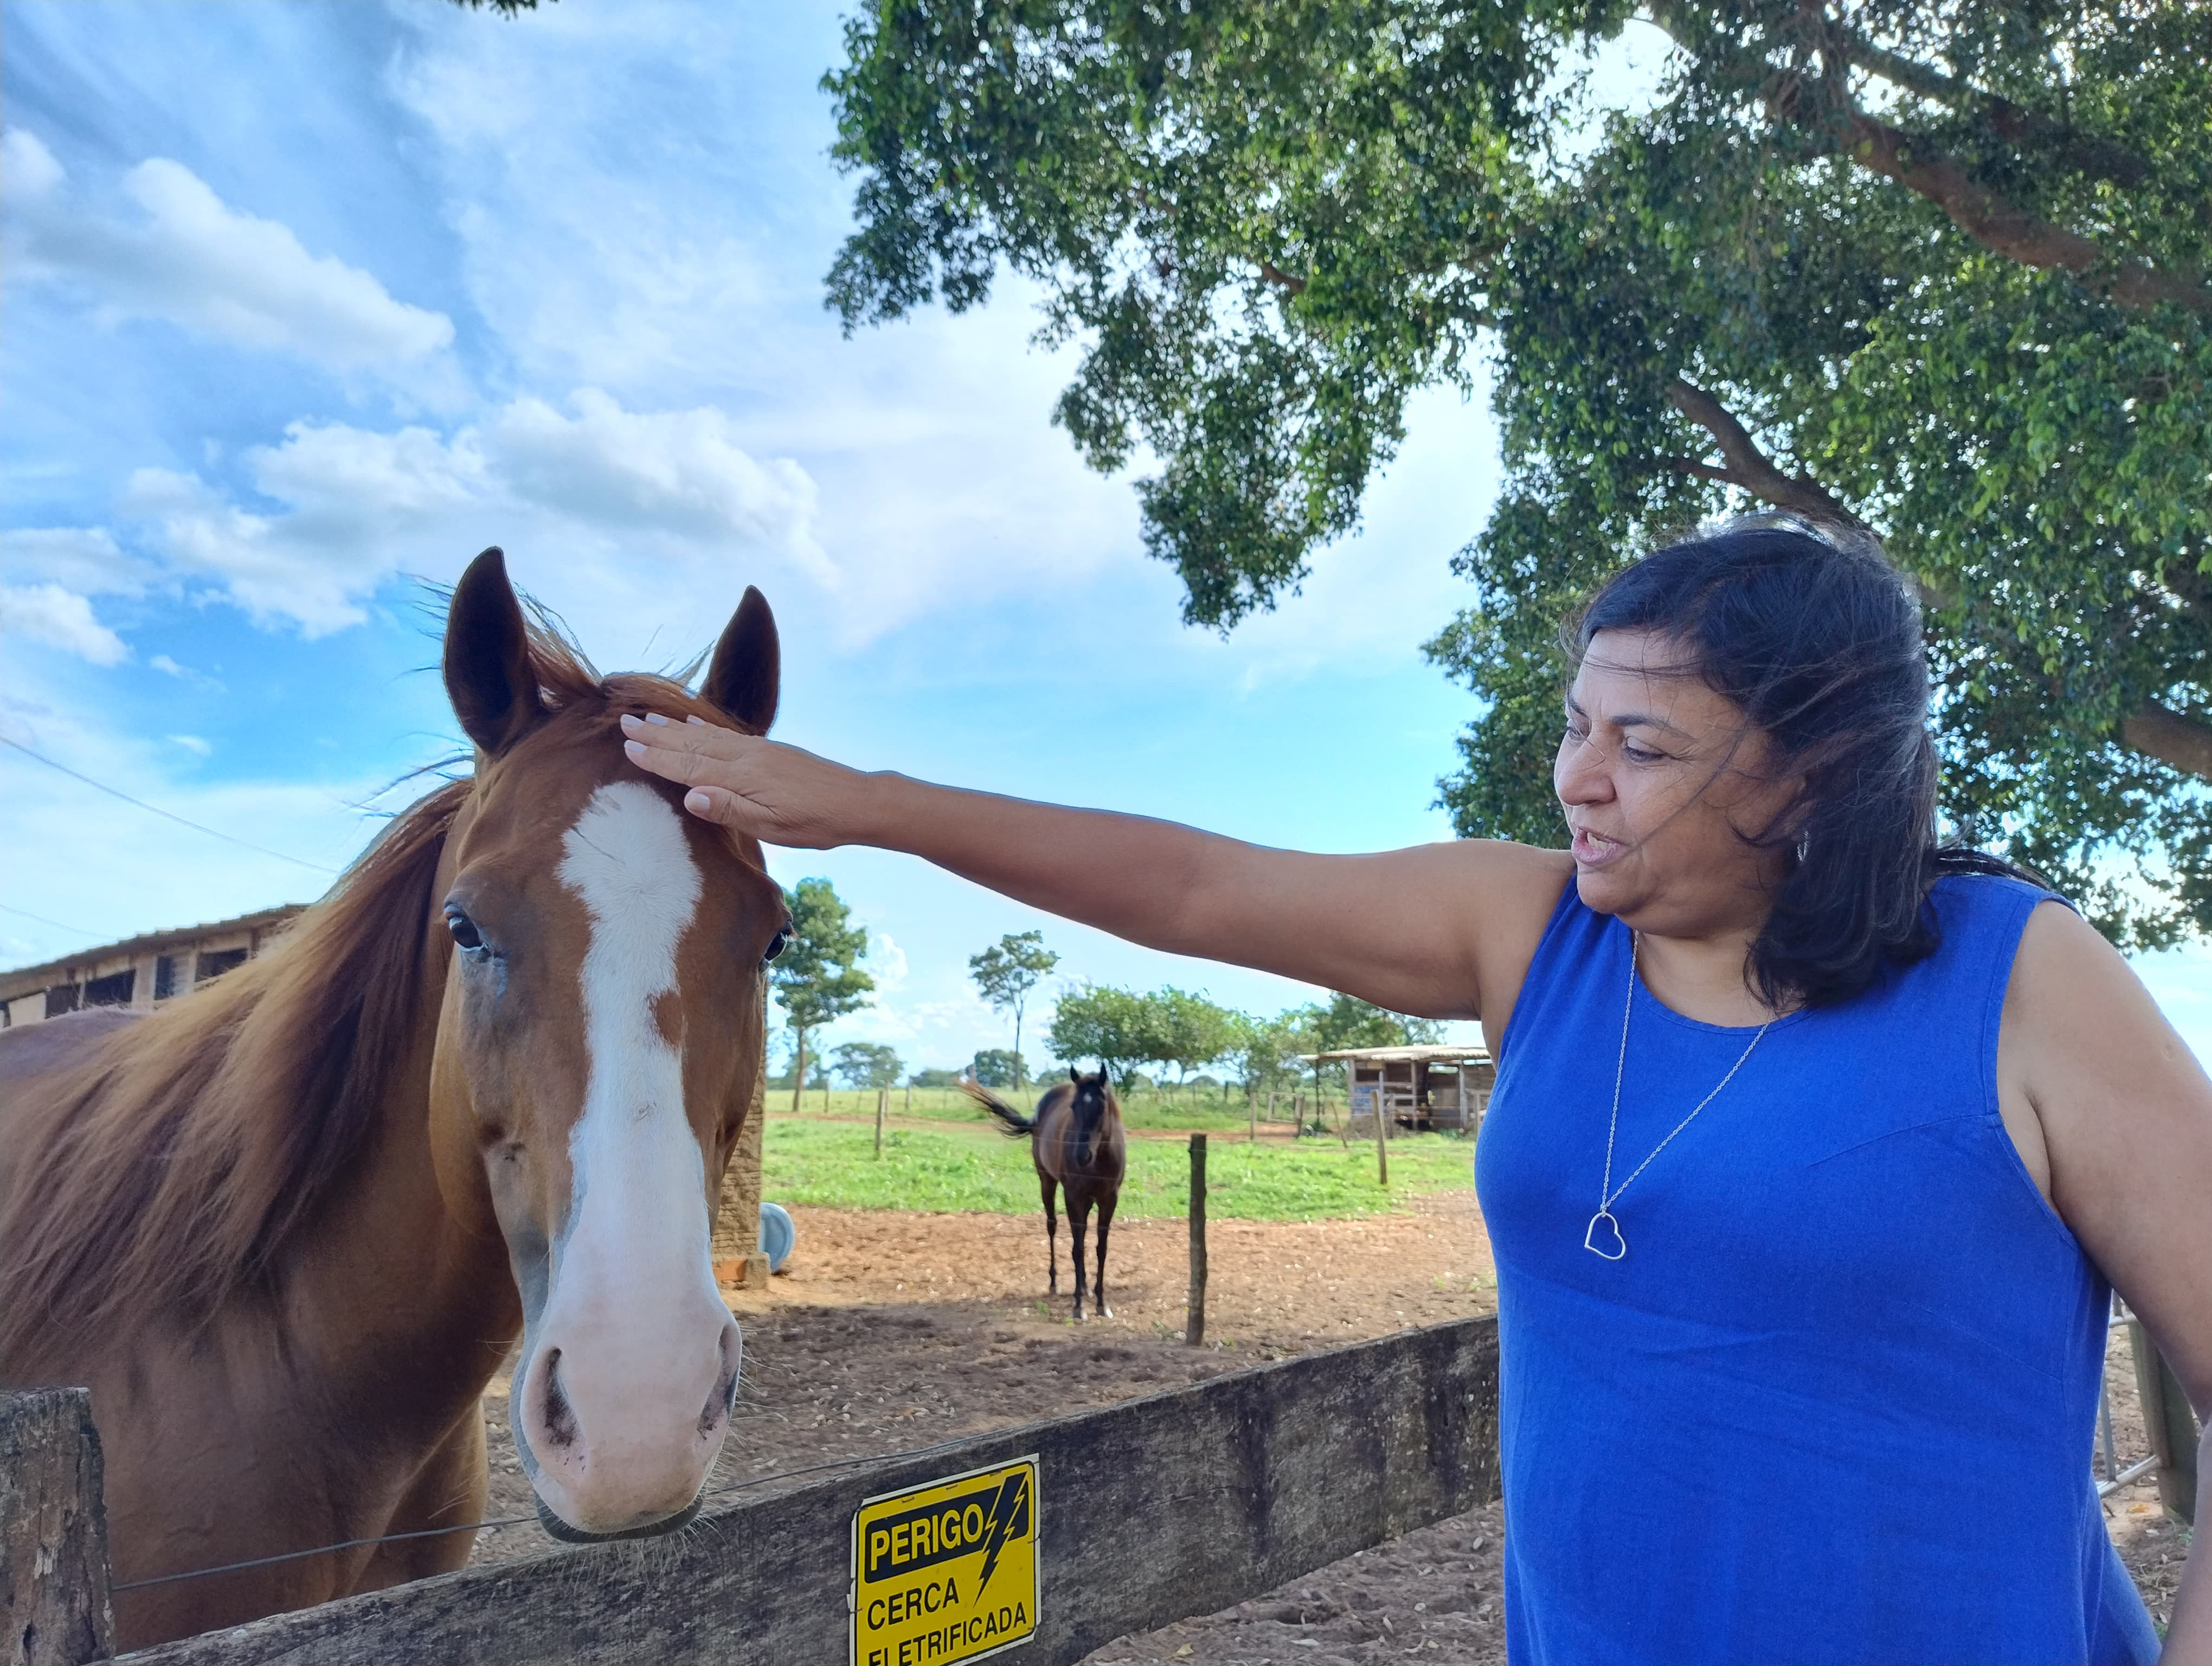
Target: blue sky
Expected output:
[306,304]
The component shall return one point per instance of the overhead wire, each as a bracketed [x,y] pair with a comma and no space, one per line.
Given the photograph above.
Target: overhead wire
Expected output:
[166,815]
[77,931]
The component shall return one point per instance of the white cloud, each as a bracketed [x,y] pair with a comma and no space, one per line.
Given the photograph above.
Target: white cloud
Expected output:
[85,559]
[26,165]
[60,618]
[886,963]
[360,507]
[194,744]
[190,258]
[679,471]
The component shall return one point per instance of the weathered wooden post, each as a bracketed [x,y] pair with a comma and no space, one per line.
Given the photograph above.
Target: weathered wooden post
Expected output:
[1194,1330]
[53,1531]
[2170,1423]
[882,1103]
[1382,1104]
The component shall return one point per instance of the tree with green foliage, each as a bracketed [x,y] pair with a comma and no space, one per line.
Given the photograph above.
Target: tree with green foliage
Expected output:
[866,1064]
[1005,973]
[1267,1055]
[1936,272]
[816,978]
[1117,1027]
[1189,1032]
[995,1067]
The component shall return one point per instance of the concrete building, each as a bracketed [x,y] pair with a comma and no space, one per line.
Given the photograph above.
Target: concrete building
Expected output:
[139,971]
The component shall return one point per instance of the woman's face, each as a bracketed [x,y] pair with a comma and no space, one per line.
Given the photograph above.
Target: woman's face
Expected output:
[1660,778]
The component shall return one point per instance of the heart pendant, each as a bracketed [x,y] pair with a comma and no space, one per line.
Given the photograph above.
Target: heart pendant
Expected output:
[1603,1238]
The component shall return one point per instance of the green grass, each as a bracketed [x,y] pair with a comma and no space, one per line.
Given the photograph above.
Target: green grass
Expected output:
[833,1165]
[1147,1108]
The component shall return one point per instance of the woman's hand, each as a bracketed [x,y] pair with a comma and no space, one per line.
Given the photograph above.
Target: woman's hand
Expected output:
[775,793]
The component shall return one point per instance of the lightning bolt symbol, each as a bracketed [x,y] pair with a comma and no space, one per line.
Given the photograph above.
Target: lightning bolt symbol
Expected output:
[1009,1508]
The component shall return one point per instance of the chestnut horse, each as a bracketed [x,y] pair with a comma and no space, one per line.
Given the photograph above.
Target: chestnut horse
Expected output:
[287,1228]
[1077,1144]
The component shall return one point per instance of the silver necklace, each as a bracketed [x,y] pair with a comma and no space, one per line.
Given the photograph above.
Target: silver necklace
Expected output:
[1609,1243]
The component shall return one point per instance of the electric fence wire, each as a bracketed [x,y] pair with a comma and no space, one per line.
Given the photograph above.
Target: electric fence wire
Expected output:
[518,1521]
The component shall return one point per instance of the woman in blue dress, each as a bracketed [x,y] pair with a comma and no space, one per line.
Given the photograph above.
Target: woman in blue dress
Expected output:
[1817,1149]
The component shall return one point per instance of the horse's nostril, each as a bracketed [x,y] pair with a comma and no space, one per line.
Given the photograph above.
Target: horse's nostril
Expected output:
[724,1398]
[556,1415]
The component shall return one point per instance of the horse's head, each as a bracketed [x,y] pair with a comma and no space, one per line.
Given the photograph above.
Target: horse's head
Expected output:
[597,1050]
[1092,1106]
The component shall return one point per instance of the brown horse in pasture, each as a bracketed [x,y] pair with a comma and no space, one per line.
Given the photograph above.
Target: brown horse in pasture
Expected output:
[1077,1146]
[288,1226]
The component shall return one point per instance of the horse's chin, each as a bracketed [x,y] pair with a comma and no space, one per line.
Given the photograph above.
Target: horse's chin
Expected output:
[569,1534]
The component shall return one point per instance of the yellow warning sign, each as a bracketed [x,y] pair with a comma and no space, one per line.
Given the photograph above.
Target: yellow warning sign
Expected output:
[946,1572]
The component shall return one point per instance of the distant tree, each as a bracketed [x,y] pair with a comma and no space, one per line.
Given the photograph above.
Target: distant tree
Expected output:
[934,1077]
[1268,1052]
[1005,973]
[1117,1027]
[1189,1032]
[817,979]
[866,1064]
[995,1067]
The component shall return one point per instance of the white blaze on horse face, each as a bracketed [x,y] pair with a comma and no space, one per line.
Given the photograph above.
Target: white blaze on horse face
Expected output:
[626,1396]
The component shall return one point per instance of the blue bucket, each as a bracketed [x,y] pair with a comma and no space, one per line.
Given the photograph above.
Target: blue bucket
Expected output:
[777,1235]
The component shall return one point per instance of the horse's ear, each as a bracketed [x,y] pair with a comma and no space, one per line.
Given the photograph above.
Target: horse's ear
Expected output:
[745,676]
[488,673]
[1074,1074]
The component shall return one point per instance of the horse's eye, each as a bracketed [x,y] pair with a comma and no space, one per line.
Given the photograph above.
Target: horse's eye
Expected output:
[776,945]
[463,929]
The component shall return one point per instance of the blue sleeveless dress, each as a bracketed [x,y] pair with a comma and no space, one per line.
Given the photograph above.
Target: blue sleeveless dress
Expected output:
[1836,1403]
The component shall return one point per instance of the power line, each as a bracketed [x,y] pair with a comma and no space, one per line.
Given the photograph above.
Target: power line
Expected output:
[166,815]
[78,931]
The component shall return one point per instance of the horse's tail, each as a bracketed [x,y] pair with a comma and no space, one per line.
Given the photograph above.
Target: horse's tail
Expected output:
[1012,1122]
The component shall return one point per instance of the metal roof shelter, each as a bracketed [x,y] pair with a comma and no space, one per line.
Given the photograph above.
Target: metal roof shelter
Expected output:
[139,971]
[1427,1085]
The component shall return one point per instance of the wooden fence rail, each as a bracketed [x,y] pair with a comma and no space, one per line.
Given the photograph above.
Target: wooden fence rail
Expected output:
[1150,1511]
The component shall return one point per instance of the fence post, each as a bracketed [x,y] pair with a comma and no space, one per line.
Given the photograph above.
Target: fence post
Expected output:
[882,1103]
[53,1530]
[1194,1330]
[2170,1423]
[1382,1104]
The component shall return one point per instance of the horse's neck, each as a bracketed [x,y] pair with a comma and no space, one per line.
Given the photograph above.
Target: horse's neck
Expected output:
[403,1290]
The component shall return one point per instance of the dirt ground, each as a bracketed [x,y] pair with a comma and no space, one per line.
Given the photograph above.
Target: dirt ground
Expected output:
[889,1332]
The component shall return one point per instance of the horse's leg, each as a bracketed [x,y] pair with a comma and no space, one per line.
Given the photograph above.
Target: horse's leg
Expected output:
[1078,1216]
[1051,1230]
[1106,1202]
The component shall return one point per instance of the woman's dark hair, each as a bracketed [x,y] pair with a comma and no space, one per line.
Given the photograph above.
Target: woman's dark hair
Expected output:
[1817,639]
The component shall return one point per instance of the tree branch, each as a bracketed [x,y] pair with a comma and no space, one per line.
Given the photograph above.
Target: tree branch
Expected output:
[1748,467]
[2166,734]
[1281,279]
[1996,224]
[2014,124]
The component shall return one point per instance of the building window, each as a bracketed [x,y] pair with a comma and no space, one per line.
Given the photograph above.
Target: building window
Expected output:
[218,963]
[61,998]
[165,977]
[113,990]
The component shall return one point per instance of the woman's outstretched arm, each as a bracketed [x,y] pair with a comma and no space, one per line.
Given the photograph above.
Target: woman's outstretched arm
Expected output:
[1439,931]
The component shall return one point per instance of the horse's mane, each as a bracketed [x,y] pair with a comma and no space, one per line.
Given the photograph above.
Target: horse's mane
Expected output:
[168,1172]
[172,1167]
